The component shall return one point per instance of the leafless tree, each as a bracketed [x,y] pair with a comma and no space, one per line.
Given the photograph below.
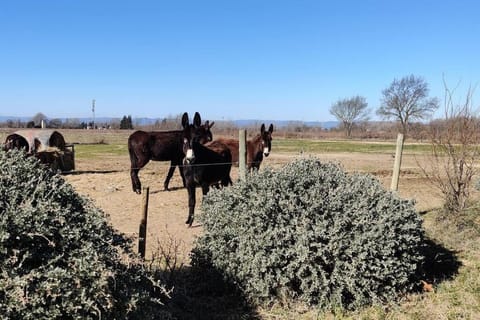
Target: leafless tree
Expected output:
[55,123]
[455,150]
[406,100]
[72,123]
[350,110]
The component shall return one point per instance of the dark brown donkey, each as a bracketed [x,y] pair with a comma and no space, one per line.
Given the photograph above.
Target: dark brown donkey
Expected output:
[257,147]
[163,146]
[203,167]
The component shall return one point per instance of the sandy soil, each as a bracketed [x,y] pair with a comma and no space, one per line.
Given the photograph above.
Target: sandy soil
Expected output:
[107,182]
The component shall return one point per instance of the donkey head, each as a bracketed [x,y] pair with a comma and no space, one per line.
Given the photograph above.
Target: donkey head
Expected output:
[194,133]
[266,139]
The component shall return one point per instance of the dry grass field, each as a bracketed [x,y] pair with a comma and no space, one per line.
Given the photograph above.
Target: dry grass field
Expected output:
[102,174]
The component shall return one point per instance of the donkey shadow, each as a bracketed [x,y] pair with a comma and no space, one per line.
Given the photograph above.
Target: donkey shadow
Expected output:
[169,190]
[80,172]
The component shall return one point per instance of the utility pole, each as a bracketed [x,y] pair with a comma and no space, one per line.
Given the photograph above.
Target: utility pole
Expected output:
[93,112]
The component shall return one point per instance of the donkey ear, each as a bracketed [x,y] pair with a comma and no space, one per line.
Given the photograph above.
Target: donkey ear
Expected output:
[211,124]
[185,120]
[262,128]
[197,121]
[270,129]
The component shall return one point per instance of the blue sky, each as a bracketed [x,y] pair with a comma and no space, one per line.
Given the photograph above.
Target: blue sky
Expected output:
[266,60]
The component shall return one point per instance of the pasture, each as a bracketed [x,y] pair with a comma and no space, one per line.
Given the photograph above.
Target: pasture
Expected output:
[102,174]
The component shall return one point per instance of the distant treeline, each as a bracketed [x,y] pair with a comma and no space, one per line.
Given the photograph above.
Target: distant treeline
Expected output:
[288,129]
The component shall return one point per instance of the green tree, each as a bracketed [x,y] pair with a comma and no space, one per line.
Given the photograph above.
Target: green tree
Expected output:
[126,122]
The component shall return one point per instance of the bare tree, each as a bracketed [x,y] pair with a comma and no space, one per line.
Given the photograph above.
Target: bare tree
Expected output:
[351,110]
[72,123]
[55,123]
[406,100]
[455,152]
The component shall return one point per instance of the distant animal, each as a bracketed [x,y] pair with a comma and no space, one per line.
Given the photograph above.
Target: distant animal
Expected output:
[257,147]
[203,166]
[163,146]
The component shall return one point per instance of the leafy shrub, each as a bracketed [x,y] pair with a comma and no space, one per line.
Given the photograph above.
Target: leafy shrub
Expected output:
[312,232]
[59,258]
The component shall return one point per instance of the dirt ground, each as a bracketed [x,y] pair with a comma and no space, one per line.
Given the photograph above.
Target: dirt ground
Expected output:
[107,182]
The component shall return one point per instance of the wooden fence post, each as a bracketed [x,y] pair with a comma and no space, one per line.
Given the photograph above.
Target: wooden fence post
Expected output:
[398,162]
[142,232]
[242,154]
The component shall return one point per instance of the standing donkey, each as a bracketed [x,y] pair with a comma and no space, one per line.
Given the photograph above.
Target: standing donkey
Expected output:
[257,147]
[162,146]
[203,166]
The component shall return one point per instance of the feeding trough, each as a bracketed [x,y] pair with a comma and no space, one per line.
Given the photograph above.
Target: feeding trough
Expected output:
[47,145]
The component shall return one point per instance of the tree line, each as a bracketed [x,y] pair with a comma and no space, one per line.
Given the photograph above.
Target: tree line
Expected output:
[404,101]
[70,123]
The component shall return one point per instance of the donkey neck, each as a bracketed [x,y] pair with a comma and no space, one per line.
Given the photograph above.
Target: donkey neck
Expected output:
[255,148]
[202,153]
[255,140]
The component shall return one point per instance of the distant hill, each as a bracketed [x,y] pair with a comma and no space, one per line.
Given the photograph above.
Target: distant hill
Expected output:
[149,121]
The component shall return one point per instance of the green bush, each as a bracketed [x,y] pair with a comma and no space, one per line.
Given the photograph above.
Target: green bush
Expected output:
[314,233]
[59,258]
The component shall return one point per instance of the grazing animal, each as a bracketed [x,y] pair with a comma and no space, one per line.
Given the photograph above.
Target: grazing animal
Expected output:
[203,166]
[257,147]
[163,146]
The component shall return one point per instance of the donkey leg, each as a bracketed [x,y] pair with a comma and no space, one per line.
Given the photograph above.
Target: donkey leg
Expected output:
[169,176]
[136,185]
[191,204]
[205,188]
[138,160]
[180,168]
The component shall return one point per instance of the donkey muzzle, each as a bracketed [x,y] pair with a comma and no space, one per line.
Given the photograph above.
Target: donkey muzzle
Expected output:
[266,152]
[190,156]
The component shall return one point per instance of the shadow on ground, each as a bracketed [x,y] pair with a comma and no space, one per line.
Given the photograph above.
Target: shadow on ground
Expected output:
[203,294]
[200,293]
[79,172]
[440,263]
[169,189]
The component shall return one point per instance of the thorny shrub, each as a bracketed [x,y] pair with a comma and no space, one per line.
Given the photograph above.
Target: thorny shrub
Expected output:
[314,233]
[60,258]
